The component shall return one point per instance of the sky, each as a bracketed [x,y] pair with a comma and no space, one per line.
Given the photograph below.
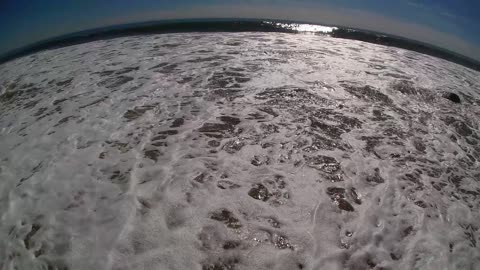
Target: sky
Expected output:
[451,24]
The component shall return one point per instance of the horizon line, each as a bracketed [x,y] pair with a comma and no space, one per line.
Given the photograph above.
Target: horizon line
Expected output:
[129,29]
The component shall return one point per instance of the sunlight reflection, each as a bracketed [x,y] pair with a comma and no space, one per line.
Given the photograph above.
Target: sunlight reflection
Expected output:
[305,28]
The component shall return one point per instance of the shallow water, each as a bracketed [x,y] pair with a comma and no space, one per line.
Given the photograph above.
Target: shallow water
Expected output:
[238,151]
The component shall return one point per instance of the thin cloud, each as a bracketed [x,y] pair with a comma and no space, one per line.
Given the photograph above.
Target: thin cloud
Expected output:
[449,15]
[416,4]
[434,9]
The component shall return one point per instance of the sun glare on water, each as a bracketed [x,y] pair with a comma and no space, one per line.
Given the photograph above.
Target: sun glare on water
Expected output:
[304,28]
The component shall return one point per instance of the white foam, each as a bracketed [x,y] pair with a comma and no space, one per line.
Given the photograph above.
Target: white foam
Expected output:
[84,187]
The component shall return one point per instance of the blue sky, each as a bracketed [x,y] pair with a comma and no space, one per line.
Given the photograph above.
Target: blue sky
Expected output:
[453,24]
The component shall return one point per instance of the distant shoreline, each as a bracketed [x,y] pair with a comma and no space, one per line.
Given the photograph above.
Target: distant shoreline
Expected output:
[234,25]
